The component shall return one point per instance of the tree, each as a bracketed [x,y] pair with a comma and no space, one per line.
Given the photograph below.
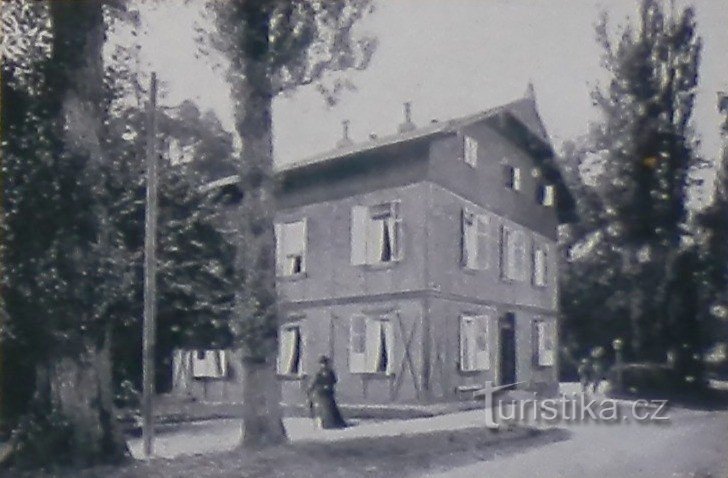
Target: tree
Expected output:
[273,46]
[647,146]
[714,238]
[62,262]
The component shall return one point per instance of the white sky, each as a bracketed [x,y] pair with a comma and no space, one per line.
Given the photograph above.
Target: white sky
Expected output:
[449,58]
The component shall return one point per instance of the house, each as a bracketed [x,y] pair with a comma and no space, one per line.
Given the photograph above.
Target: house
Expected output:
[423,263]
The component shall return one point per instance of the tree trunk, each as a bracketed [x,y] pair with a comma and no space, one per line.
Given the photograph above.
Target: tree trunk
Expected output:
[256,305]
[81,393]
[262,415]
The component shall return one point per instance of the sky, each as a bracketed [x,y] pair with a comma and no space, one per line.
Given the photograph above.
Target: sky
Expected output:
[449,58]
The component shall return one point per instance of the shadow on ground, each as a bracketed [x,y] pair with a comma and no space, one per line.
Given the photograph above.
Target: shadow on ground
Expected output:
[394,456]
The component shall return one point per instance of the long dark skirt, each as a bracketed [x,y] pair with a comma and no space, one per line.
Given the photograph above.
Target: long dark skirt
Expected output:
[325,410]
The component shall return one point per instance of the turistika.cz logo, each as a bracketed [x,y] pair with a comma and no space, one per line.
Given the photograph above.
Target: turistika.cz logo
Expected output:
[577,408]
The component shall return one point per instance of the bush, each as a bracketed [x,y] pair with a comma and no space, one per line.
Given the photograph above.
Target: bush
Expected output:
[644,379]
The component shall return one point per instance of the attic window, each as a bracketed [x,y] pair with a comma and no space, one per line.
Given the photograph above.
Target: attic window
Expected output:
[512,177]
[470,151]
[546,195]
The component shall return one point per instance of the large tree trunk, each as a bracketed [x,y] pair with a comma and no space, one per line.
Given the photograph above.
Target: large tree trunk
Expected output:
[81,392]
[256,305]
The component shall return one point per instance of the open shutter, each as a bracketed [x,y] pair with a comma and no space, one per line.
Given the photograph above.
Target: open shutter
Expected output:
[483,246]
[285,350]
[482,357]
[545,344]
[388,329]
[373,344]
[359,222]
[519,255]
[304,243]
[280,258]
[358,344]
[397,233]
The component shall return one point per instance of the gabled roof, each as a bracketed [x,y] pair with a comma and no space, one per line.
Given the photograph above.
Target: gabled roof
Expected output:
[517,109]
[521,114]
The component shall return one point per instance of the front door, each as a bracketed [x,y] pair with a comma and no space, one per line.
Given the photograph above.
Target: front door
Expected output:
[507,345]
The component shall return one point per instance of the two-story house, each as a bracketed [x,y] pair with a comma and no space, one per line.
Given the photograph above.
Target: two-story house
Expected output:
[423,263]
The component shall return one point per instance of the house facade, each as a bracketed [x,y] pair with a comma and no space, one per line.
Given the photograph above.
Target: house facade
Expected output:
[425,263]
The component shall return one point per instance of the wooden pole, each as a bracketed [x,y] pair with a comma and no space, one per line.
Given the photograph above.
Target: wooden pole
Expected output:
[150,273]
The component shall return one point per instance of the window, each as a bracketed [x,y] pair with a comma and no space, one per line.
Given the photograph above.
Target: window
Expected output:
[475,240]
[474,336]
[513,254]
[290,350]
[539,266]
[209,364]
[291,248]
[512,177]
[376,234]
[371,342]
[546,195]
[470,148]
[544,341]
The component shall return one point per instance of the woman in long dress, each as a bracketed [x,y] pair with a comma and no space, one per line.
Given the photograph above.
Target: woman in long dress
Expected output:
[321,397]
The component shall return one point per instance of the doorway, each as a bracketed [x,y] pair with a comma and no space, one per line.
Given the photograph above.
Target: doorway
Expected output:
[507,342]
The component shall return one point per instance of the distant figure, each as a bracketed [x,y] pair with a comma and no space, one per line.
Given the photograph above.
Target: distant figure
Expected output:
[599,369]
[585,371]
[321,397]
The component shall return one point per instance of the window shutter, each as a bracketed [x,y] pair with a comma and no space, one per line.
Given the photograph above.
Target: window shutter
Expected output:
[545,344]
[285,350]
[397,232]
[465,344]
[516,179]
[358,344]
[304,243]
[470,151]
[519,252]
[539,266]
[547,198]
[359,220]
[482,357]
[483,248]
[373,344]
[504,252]
[389,335]
[463,240]
[280,259]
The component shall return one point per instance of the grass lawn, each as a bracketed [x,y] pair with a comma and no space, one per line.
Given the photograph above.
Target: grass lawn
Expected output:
[405,455]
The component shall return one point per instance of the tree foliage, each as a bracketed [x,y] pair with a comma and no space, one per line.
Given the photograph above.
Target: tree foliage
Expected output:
[630,258]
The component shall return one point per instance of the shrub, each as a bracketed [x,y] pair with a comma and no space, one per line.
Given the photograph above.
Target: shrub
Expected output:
[644,379]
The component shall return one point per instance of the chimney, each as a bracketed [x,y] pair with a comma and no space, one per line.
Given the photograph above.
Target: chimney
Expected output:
[345,140]
[408,125]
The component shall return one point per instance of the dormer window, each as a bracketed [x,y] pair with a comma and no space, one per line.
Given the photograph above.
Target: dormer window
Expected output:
[470,148]
[512,177]
[546,195]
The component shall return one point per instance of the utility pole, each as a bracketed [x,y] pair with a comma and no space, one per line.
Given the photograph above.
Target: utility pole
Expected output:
[150,274]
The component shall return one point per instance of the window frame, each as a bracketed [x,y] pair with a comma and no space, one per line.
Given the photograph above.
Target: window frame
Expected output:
[544,349]
[282,256]
[475,240]
[366,223]
[478,358]
[509,268]
[377,327]
[513,179]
